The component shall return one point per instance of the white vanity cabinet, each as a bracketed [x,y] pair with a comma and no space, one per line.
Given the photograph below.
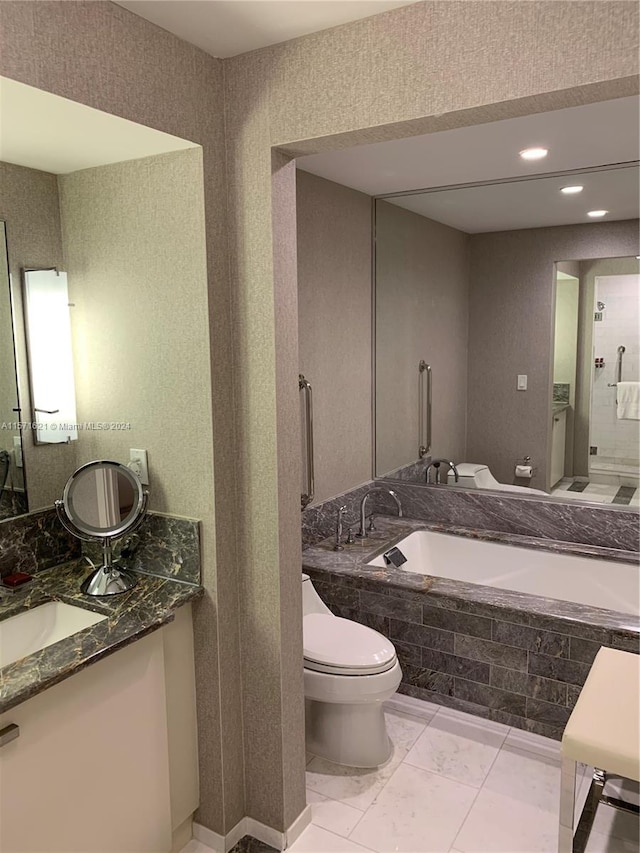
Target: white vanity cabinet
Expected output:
[105,760]
[558,442]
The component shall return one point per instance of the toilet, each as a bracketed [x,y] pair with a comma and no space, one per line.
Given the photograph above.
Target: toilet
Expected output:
[349,671]
[474,476]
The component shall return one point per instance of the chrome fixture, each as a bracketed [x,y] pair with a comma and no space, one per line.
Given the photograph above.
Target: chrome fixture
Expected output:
[303,385]
[364,532]
[436,463]
[424,442]
[341,511]
[621,350]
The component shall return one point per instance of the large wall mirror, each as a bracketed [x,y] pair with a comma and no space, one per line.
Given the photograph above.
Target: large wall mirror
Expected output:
[103,295]
[489,285]
[515,280]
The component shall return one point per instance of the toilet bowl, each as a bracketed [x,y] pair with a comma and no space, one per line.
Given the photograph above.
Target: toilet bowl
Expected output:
[475,476]
[349,671]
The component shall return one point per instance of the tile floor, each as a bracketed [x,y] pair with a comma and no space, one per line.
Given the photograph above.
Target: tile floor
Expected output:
[595,493]
[454,784]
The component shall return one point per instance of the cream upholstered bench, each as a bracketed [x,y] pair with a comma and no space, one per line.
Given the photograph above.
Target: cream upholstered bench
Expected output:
[603,732]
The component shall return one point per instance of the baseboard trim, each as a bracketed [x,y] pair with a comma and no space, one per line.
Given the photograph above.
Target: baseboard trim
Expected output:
[249,826]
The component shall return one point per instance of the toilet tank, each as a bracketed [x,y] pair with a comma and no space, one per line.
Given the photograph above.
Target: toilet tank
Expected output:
[472,475]
[311,601]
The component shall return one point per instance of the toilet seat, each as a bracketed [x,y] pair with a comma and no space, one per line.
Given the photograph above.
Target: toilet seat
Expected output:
[343,647]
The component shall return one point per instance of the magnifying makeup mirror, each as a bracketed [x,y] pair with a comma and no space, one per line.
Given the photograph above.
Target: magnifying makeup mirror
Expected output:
[103,501]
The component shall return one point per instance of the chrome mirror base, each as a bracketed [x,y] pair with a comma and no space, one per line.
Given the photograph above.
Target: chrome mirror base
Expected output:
[108,580]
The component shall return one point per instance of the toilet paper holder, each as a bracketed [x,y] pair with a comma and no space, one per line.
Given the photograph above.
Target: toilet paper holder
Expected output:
[524,469]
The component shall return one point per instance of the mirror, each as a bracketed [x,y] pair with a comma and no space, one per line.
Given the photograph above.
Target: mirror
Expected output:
[103,501]
[12,487]
[488,284]
[117,209]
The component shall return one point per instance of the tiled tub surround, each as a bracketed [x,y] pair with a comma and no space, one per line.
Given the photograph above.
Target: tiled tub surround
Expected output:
[565,523]
[510,657]
[131,616]
[163,545]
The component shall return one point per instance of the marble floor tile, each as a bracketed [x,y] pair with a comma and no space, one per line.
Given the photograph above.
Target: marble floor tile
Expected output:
[614,823]
[351,785]
[498,823]
[416,812]
[599,843]
[317,840]
[403,729]
[332,815]
[195,846]
[527,778]
[458,746]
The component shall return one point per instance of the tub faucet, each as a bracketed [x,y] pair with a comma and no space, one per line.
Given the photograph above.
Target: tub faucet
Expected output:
[362,533]
[435,463]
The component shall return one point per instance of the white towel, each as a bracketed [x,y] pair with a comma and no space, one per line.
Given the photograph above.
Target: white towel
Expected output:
[629,401]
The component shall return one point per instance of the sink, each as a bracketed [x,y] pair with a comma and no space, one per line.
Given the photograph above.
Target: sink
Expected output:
[32,630]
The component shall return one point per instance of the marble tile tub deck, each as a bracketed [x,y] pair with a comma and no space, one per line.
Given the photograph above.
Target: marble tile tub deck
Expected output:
[131,616]
[510,657]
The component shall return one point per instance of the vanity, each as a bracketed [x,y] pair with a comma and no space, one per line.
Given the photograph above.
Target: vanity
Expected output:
[103,755]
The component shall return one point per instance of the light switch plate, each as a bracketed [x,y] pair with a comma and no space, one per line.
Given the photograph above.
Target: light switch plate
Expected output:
[522,382]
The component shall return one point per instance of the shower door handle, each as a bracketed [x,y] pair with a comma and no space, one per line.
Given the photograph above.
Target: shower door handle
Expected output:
[424,442]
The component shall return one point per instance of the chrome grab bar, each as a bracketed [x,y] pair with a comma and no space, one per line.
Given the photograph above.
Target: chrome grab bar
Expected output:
[425,448]
[620,351]
[303,385]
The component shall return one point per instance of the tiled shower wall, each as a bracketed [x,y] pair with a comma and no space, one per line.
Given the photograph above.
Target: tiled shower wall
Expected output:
[618,441]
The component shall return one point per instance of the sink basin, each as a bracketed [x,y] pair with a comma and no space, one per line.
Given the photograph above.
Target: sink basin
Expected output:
[32,630]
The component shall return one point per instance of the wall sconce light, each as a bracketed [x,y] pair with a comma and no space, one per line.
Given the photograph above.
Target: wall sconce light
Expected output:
[50,357]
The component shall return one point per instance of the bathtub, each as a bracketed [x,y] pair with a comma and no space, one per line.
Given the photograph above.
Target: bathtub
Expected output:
[596,583]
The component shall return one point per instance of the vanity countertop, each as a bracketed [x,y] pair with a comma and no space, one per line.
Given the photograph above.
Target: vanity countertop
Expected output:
[352,563]
[130,616]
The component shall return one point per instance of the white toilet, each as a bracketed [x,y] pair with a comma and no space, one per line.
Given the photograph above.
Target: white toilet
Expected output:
[349,671]
[475,476]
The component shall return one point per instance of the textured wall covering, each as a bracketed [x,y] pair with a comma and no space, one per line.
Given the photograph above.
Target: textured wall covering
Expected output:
[511,308]
[133,239]
[29,204]
[417,69]
[103,56]
[422,308]
[334,328]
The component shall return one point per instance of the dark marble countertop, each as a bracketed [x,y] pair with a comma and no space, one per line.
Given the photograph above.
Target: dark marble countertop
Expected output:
[130,616]
[352,561]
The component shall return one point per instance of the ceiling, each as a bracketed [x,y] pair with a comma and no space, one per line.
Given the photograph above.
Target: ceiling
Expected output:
[226,28]
[577,138]
[46,132]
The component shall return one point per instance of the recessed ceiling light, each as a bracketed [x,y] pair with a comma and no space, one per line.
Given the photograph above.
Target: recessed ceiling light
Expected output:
[534,153]
[594,214]
[571,190]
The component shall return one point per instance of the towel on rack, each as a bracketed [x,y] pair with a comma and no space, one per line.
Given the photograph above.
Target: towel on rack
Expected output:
[629,401]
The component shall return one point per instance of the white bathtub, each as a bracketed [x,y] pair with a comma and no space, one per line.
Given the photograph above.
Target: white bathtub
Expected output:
[597,583]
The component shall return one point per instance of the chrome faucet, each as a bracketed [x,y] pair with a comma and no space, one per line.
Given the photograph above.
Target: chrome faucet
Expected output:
[363,533]
[435,463]
[339,546]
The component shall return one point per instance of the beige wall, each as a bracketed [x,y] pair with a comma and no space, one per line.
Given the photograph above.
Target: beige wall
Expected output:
[29,204]
[102,55]
[511,325]
[614,264]
[334,328]
[422,296]
[134,247]
[417,69]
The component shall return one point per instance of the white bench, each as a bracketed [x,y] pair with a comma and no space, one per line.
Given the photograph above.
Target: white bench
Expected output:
[603,732]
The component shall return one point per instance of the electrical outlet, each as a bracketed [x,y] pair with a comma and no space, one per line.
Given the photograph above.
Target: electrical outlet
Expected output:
[138,463]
